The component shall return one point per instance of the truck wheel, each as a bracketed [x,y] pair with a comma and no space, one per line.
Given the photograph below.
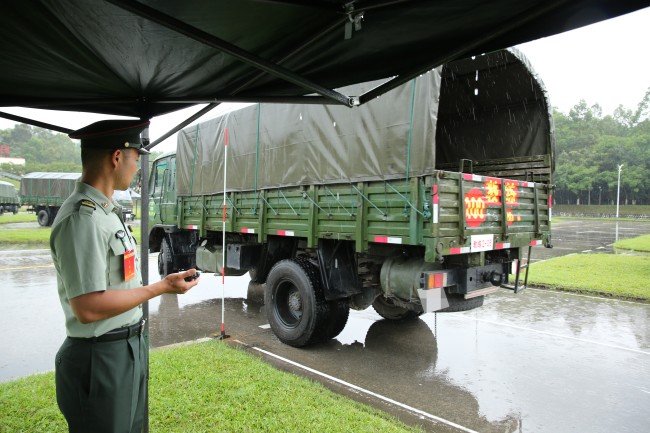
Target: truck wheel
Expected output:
[43,218]
[339,311]
[295,305]
[15,210]
[386,309]
[458,303]
[254,275]
[165,259]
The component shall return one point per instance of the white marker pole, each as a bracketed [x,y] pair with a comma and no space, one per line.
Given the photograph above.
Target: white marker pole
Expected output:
[223,235]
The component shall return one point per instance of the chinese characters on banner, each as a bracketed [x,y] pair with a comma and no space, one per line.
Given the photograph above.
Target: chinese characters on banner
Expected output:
[477,200]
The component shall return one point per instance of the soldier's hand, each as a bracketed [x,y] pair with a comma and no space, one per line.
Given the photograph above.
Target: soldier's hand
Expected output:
[181,282]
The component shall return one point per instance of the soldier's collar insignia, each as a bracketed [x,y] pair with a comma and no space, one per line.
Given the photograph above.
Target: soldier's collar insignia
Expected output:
[104,205]
[88,203]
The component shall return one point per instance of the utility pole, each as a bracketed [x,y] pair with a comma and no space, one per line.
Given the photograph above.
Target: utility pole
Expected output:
[618,193]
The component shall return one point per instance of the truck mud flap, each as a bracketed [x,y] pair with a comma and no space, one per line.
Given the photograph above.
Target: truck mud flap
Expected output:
[338,268]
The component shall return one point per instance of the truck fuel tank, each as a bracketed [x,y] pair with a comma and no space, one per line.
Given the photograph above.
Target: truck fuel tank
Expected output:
[209,258]
[400,276]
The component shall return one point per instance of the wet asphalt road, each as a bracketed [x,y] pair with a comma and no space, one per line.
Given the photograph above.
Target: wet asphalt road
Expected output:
[535,362]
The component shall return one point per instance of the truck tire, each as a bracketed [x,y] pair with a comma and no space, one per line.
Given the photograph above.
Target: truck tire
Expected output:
[15,210]
[165,259]
[339,311]
[254,275]
[458,303]
[295,305]
[386,309]
[43,218]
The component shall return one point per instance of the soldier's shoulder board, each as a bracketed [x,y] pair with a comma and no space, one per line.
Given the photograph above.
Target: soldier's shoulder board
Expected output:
[87,206]
[89,203]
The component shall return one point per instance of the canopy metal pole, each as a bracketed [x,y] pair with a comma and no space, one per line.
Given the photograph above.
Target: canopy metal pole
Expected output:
[144,254]
[181,125]
[35,123]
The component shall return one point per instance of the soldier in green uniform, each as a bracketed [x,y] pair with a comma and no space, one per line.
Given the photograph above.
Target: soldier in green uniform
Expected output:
[101,366]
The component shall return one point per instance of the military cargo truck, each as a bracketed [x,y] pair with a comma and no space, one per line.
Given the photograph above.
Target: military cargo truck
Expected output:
[422,200]
[9,201]
[44,193]
[123,198]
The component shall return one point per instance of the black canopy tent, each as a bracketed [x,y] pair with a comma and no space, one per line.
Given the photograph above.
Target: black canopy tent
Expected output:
[146,58]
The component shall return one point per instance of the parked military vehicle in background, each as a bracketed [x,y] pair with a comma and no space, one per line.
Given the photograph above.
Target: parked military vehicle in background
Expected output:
[422,200]
[9,200]
[123,198]
[44,193]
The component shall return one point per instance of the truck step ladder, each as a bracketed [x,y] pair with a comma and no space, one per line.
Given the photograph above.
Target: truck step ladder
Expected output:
[517,287]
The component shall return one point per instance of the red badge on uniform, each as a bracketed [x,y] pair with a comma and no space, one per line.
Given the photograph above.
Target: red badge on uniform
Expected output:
[129,265]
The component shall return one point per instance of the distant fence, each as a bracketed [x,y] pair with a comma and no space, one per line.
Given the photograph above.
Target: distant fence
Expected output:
[602,211]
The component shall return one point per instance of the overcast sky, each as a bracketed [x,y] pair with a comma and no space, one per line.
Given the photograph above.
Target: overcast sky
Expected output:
[605,63]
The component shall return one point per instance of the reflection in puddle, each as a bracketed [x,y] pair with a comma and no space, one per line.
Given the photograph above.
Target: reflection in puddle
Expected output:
[198,313]
[402,358]
[518,361]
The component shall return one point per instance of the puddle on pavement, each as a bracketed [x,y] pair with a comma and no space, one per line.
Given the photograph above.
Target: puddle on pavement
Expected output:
[498,368]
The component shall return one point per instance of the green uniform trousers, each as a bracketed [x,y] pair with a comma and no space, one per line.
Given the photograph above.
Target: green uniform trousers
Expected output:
[101,386]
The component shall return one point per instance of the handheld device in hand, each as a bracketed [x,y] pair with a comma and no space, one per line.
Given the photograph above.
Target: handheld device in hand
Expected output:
[193,277]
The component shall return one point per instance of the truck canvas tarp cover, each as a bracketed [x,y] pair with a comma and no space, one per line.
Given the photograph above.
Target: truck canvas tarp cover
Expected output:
[7,191]
[488,107]
[50,185]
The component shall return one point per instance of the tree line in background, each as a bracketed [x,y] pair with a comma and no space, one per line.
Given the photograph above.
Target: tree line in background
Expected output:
[589,149]
[43,150]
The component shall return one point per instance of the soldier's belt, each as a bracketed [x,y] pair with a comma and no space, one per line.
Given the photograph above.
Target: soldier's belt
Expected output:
[116,334]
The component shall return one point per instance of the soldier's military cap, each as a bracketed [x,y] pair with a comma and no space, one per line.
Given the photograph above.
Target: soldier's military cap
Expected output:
[112,134]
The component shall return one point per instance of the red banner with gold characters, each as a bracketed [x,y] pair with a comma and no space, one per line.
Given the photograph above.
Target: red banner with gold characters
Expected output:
[475,205]
[478,200]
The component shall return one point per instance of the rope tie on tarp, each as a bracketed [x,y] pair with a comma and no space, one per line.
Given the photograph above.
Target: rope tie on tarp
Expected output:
[339,202]
[408,203]
[196,140]
[308,197]
[368,200]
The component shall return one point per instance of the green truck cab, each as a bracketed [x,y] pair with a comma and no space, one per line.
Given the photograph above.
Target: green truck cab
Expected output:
[423,200]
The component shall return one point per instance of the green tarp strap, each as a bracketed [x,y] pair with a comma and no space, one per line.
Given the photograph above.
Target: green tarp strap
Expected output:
[257,152]
[408,147]
[196,139]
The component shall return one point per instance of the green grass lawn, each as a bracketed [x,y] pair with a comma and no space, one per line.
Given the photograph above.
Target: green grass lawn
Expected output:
[640,243]
[620,275]
[209,387]
[35,237]
[20,217]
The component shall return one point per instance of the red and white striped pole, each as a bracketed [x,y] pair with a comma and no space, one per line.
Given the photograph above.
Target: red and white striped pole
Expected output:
[223,236]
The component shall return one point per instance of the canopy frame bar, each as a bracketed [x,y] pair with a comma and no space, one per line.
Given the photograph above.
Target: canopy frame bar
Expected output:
[213,104]
[198,35]
[33,122]
[463,51]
